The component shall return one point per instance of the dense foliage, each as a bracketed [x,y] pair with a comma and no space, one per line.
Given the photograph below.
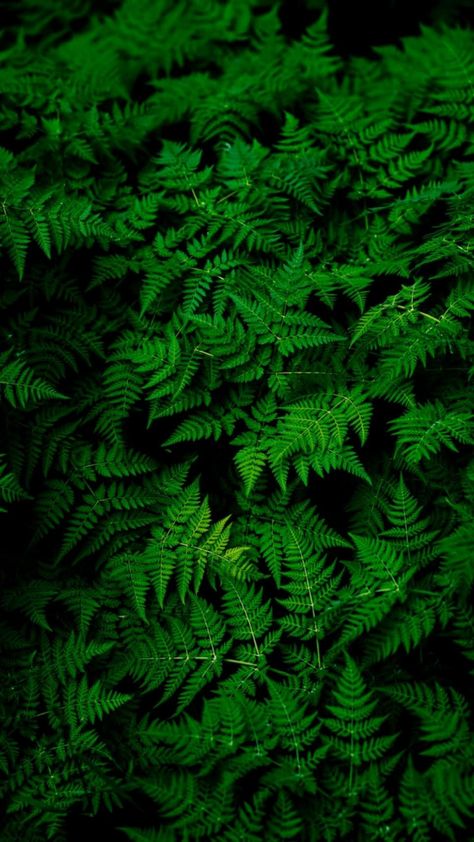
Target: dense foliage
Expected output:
[237,478]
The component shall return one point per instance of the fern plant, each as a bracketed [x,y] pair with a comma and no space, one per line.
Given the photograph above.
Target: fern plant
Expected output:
[236,473]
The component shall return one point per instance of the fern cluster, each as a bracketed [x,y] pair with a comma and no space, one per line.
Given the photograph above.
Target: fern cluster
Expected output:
[237,476]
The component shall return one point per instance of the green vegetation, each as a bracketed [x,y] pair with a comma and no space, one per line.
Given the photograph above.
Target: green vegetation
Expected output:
[237,476]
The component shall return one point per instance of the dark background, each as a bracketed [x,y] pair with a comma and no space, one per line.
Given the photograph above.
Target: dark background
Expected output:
[356,27]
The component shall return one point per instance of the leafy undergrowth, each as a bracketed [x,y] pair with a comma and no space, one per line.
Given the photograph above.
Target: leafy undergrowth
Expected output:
[237,478]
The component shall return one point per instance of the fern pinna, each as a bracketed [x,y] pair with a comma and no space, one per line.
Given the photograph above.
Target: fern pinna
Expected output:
[236,476]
